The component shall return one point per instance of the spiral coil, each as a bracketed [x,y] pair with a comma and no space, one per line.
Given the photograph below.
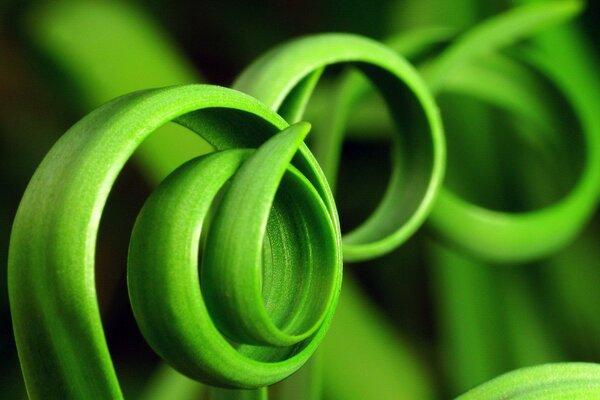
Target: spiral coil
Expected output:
[260,213]
[271,258]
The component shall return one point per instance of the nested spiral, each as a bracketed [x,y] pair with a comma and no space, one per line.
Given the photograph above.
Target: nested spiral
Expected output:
[259,211]
[264,220]
[270,265]
[301,256]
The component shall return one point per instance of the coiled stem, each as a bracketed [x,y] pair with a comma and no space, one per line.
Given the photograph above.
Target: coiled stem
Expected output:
[53,299]
[264,316]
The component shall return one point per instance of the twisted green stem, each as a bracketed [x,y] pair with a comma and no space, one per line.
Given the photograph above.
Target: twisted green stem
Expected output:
[262,216]
[270,243]
[284,77]
[473,65]
[56,319]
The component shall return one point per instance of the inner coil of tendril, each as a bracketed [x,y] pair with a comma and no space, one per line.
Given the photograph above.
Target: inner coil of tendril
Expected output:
[270,271]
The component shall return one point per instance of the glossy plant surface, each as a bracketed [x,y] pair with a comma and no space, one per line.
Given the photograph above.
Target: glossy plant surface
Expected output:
[235,260]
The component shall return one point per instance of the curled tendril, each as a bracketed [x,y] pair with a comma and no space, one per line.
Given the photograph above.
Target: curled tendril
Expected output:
[473,65]
[275,320]
[58,328]
[519,237]
[284,78]
[261,214]
[259,211]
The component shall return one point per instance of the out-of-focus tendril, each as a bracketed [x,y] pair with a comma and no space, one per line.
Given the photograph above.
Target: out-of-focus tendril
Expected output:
[517,237]
[473,65]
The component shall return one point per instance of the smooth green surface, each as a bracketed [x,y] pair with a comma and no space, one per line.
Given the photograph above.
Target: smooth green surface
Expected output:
[551,381]
[59,334]
[163,271]
[467,67]
[470,66]
[415,180]
[514,237]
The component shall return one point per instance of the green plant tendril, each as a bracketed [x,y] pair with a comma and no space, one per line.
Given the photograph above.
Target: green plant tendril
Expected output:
[301,265]
[518,237]
[56,318]
[243,335]
[249,321]
[478,71]
[65,32]
[284,78]
[262,201]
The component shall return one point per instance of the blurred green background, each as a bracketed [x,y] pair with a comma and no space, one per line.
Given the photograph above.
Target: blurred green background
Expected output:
[426,321]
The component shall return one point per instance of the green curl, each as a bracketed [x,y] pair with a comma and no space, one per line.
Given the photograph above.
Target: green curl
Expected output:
[298,293]
[54,307]
[284,78]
